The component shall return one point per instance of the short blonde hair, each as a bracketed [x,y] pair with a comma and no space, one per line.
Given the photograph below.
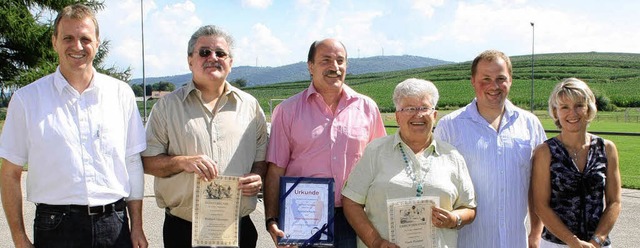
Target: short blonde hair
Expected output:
[575,90]
[76,12]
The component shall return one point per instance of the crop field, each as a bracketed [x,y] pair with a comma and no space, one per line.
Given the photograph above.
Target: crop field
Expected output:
[614,76]
[627,145]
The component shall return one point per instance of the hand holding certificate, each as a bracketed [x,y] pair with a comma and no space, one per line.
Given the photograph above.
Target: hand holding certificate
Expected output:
[216,207]
[306,211]
[410,222]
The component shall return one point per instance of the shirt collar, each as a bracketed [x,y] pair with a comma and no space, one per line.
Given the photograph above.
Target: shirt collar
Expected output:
[347,92]
[229,90]
[509,111]
[431,149]
[60,83]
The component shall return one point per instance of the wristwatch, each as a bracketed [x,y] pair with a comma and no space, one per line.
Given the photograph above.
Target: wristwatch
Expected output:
[458,220]
[598,241]
[269,220]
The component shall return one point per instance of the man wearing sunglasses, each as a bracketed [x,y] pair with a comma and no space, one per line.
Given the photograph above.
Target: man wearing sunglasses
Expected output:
[209,128]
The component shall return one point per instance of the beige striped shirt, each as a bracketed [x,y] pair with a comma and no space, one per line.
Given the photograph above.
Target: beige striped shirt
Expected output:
[234,135]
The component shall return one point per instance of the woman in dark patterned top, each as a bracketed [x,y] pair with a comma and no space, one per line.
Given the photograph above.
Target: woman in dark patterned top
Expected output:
[575,180]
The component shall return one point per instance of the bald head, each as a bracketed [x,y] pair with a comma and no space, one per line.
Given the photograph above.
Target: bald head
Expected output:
[325,42]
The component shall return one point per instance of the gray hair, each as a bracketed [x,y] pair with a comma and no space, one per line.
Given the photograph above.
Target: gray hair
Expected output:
[414,87]
[210,30]
[575,90]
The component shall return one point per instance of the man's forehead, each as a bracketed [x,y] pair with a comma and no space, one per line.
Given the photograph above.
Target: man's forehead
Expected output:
[329,52]
[68,25]
[212,40]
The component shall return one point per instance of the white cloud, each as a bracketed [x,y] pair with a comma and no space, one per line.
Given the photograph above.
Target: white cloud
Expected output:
[166,33]
[259,4]
[279,34]
[426,7]
[262,47]
[312,17]
[355,30]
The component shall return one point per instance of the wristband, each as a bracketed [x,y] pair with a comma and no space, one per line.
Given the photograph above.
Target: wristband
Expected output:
[458,220]
[598,241]
[269,220]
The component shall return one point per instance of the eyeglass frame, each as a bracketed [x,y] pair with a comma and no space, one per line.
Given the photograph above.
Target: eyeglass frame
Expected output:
[415,110]
[218,54]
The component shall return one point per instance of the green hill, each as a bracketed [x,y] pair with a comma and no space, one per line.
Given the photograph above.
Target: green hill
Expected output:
[613,76]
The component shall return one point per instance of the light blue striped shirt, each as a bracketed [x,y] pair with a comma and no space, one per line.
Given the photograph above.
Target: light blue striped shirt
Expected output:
[500,167]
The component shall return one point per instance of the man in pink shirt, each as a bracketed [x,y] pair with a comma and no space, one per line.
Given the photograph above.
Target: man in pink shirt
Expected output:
[320,132]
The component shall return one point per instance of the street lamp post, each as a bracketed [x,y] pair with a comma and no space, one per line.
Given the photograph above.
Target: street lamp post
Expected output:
[144,83]
[533,34]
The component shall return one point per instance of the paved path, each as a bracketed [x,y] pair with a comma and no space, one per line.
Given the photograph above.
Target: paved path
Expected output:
[626,233]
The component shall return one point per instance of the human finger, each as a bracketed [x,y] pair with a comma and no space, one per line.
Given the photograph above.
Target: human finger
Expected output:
[209,169]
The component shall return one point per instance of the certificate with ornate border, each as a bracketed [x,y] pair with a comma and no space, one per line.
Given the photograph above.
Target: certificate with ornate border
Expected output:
[410,222]
[306,211]
[216,208]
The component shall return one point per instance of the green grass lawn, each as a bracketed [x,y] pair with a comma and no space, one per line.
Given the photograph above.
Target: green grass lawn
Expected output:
[627,145]
[629,157]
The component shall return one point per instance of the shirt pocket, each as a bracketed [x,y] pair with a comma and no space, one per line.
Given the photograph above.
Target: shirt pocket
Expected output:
[523,150]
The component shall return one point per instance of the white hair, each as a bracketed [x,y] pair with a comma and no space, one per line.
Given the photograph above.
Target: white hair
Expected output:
[414,87]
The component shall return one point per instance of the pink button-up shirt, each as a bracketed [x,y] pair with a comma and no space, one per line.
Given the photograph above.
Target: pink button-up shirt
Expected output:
[308,140]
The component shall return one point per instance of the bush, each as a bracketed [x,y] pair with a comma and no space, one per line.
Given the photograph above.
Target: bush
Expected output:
[603,103]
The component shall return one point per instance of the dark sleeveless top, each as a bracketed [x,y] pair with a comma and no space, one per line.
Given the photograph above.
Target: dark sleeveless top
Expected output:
[577,197]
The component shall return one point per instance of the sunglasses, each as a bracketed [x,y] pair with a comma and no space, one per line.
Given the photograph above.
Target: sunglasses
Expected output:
[206,52]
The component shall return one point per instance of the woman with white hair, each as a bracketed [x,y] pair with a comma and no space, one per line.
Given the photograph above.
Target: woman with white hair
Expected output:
[575,177]
[410,163]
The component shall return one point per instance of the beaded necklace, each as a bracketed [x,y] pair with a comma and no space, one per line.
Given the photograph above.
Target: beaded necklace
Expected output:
[409,170]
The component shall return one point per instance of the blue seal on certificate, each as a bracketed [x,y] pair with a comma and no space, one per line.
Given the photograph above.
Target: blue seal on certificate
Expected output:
[306,211]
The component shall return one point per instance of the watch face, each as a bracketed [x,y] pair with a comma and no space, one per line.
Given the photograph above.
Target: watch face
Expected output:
[597,240]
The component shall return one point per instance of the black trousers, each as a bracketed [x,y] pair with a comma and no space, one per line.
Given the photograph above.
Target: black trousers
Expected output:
[176,232]
[67,226]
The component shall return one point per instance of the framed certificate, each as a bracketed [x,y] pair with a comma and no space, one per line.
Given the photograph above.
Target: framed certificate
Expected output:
[410,222]
[216,208]
[306,211]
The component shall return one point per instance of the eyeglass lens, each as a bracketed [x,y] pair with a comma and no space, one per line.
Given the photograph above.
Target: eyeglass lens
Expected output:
[204,52]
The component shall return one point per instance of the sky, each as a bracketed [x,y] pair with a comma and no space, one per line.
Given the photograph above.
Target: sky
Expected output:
[271,33]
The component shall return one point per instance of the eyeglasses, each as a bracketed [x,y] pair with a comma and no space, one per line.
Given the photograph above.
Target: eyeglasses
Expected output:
[206,52]
[414,110]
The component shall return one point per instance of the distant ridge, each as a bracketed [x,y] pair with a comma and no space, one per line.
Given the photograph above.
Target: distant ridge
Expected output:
[298,71]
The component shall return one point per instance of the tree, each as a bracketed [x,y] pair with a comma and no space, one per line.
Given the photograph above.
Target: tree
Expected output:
[137,89]
[26,53]
[164,86]
[148,90]
[239,82]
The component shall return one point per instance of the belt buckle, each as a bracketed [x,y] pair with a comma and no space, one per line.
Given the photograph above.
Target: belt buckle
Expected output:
[99,212]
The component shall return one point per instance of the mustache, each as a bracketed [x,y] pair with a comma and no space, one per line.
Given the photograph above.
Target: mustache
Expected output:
[332,73]
[212,64]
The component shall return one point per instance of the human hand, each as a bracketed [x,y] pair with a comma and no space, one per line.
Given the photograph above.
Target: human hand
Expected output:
[138,238]
[26,244]
[383,243]
[250,184]
[202,165]
[442,218]
[584,244]
[534,241]
[275,232]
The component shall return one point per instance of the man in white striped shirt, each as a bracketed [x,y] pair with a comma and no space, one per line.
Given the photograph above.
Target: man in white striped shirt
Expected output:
[496,139]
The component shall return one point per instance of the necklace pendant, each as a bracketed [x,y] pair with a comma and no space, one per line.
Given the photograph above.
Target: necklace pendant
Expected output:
[419,190]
